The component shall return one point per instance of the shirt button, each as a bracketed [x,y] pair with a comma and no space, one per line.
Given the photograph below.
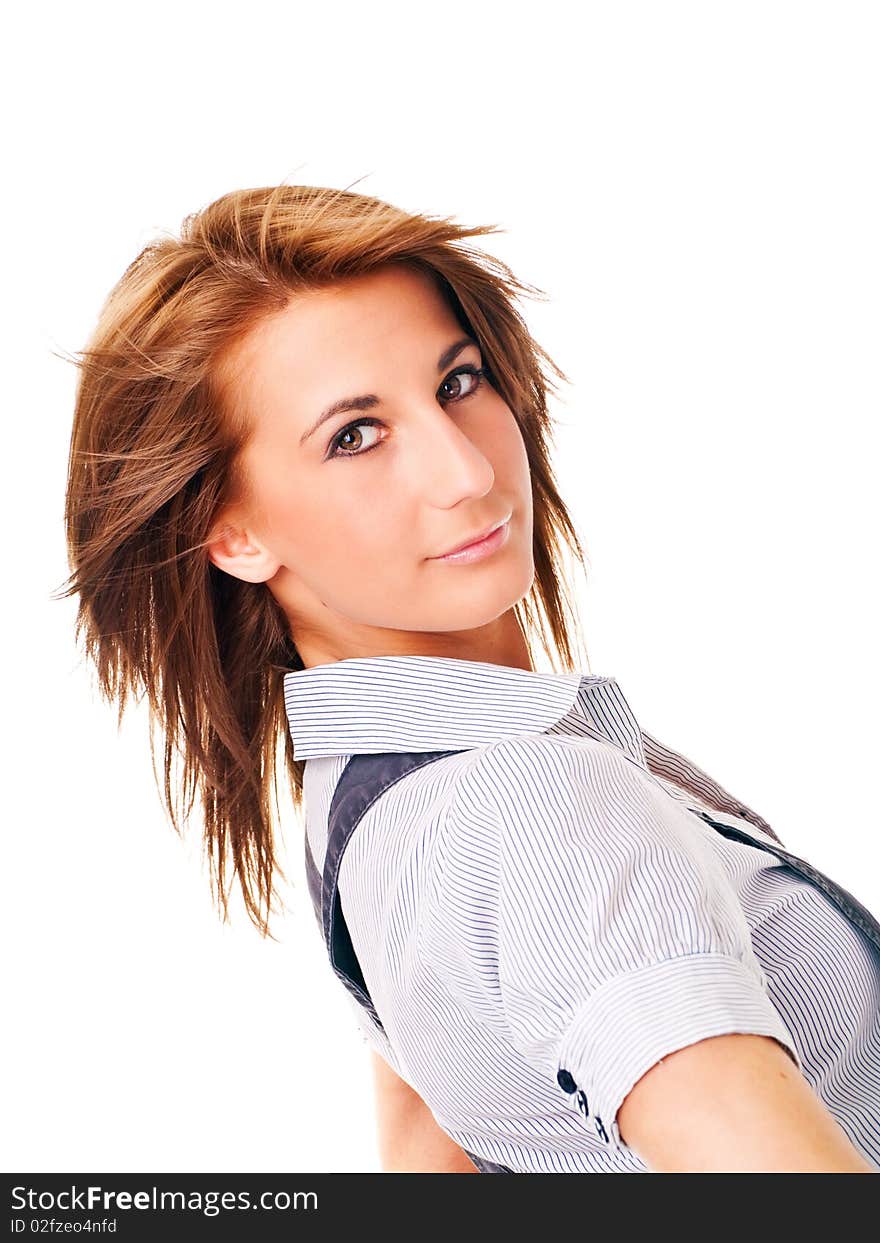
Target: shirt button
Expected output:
[565,1081]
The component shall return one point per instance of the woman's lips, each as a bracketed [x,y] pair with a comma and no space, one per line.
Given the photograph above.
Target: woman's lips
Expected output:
[479,548]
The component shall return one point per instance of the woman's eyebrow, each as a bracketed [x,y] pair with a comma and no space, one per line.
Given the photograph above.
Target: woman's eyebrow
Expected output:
[368,400]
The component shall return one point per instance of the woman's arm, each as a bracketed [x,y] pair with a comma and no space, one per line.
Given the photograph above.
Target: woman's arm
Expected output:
[410,1141]
[733,1103]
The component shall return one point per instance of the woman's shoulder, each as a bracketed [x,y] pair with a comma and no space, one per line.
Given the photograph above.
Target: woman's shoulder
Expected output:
[545,765]
[571,789]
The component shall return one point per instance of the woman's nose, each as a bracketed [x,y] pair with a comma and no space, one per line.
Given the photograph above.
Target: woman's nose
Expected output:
[449,458]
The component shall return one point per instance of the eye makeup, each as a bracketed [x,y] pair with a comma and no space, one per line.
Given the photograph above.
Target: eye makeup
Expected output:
[335,448]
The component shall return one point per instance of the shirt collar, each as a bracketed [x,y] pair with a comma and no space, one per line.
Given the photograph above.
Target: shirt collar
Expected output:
[377,704]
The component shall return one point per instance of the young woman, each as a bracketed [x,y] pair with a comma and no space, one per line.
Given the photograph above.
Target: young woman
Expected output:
[310,500]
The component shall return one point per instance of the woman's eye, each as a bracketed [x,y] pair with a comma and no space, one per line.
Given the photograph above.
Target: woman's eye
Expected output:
[340,445]
[475,374]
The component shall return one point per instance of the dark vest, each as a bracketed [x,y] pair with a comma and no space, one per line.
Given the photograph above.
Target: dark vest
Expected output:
[365,779]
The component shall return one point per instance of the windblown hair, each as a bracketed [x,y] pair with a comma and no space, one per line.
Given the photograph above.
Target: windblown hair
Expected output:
[154,456]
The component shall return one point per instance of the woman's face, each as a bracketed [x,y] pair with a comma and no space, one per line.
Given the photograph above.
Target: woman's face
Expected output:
[349,511]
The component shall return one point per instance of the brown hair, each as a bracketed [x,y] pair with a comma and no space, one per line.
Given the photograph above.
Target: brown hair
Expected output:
[153,458]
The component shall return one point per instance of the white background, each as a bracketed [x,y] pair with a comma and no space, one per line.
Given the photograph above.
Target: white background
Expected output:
[695,187]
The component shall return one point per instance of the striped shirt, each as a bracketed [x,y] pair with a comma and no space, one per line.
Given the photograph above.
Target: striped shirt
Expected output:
[542,911]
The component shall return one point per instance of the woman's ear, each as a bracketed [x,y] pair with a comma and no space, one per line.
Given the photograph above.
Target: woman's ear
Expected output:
[233,548]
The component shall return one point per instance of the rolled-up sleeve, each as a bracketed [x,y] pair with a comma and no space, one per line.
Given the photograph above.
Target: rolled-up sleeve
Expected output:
[620,937]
